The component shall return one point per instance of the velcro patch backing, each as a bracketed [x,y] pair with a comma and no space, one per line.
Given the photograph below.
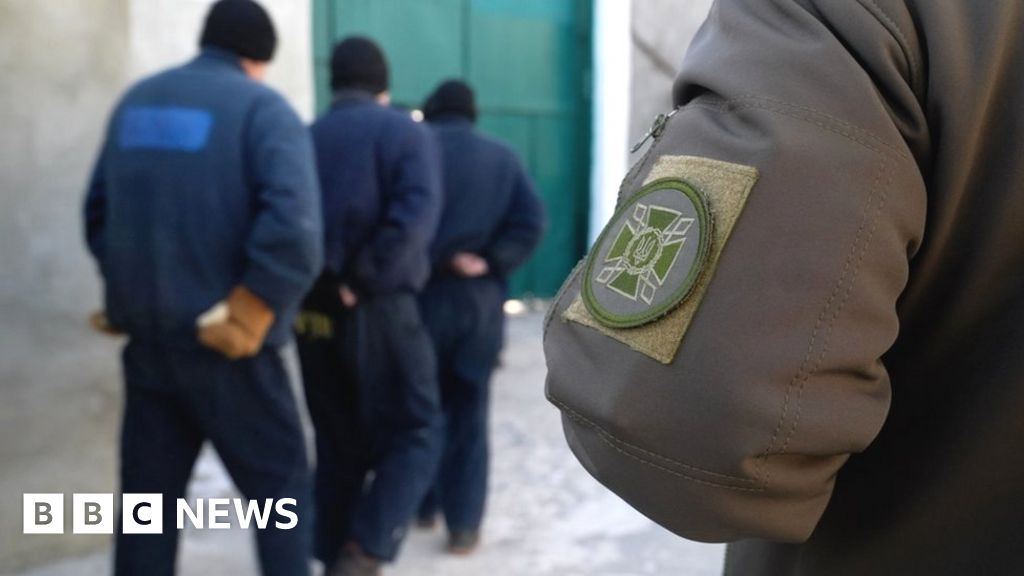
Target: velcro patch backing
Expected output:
[726,187]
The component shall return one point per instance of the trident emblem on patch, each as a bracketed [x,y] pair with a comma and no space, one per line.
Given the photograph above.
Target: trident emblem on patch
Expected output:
[644,252]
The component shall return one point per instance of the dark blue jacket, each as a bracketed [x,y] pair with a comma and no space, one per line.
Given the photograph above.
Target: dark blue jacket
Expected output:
[381,187]
[490,206]
[206,181]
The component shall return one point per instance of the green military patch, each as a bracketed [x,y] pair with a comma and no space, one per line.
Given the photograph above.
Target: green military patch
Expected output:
[648,257]
[628,251]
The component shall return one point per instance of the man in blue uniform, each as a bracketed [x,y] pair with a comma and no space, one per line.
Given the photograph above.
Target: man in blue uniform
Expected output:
[367,361]
[491,222]
[202,214]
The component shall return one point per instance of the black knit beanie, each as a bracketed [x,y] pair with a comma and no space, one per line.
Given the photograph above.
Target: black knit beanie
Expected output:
[242,27]
[358,63]
[453,97]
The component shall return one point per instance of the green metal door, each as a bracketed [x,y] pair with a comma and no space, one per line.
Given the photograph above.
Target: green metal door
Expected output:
[529,61]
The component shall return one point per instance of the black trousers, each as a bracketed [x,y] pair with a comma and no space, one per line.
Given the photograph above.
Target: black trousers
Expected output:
[370,380]
[466,320]
[175,400]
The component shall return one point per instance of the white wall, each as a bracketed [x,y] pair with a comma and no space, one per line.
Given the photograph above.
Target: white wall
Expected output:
[166,32]
[638,48]
[63,65]
[661,32]
[612,68]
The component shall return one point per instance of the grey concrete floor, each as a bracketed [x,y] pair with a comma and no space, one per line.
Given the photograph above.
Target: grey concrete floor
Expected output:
[546,516]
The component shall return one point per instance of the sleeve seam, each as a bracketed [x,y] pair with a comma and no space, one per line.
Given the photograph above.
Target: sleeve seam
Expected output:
[842,290]
[604,436]
[896,32]
[825,121]
[609,438]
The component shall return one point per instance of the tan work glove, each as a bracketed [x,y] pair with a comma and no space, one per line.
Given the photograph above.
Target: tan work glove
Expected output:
[237,326]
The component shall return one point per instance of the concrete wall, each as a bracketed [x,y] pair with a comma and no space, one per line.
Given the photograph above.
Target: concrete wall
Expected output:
[661,32]
[638,48]
[612,54]
[64,64]
[165,32]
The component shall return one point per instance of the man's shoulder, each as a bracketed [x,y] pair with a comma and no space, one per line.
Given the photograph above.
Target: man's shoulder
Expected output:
[201,85]
[365,113]
[270,99]
[397,126]
[399,120]
[494,147]
[492,143]
[391,128]
[151,83]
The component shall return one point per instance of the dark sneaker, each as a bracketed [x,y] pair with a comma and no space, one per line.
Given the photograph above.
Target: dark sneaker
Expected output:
[463,542]
[355,564]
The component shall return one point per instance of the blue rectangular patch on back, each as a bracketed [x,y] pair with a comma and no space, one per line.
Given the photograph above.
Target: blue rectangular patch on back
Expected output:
[167,128]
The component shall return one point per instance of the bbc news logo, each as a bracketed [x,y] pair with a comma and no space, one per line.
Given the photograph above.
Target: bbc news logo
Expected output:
[144,513]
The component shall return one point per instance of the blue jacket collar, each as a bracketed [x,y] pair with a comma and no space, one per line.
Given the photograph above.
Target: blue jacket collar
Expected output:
[451,119]
[210,56]
[349,97]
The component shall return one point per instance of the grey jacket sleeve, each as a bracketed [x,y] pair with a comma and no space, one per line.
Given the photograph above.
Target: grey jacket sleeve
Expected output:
[730,415]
